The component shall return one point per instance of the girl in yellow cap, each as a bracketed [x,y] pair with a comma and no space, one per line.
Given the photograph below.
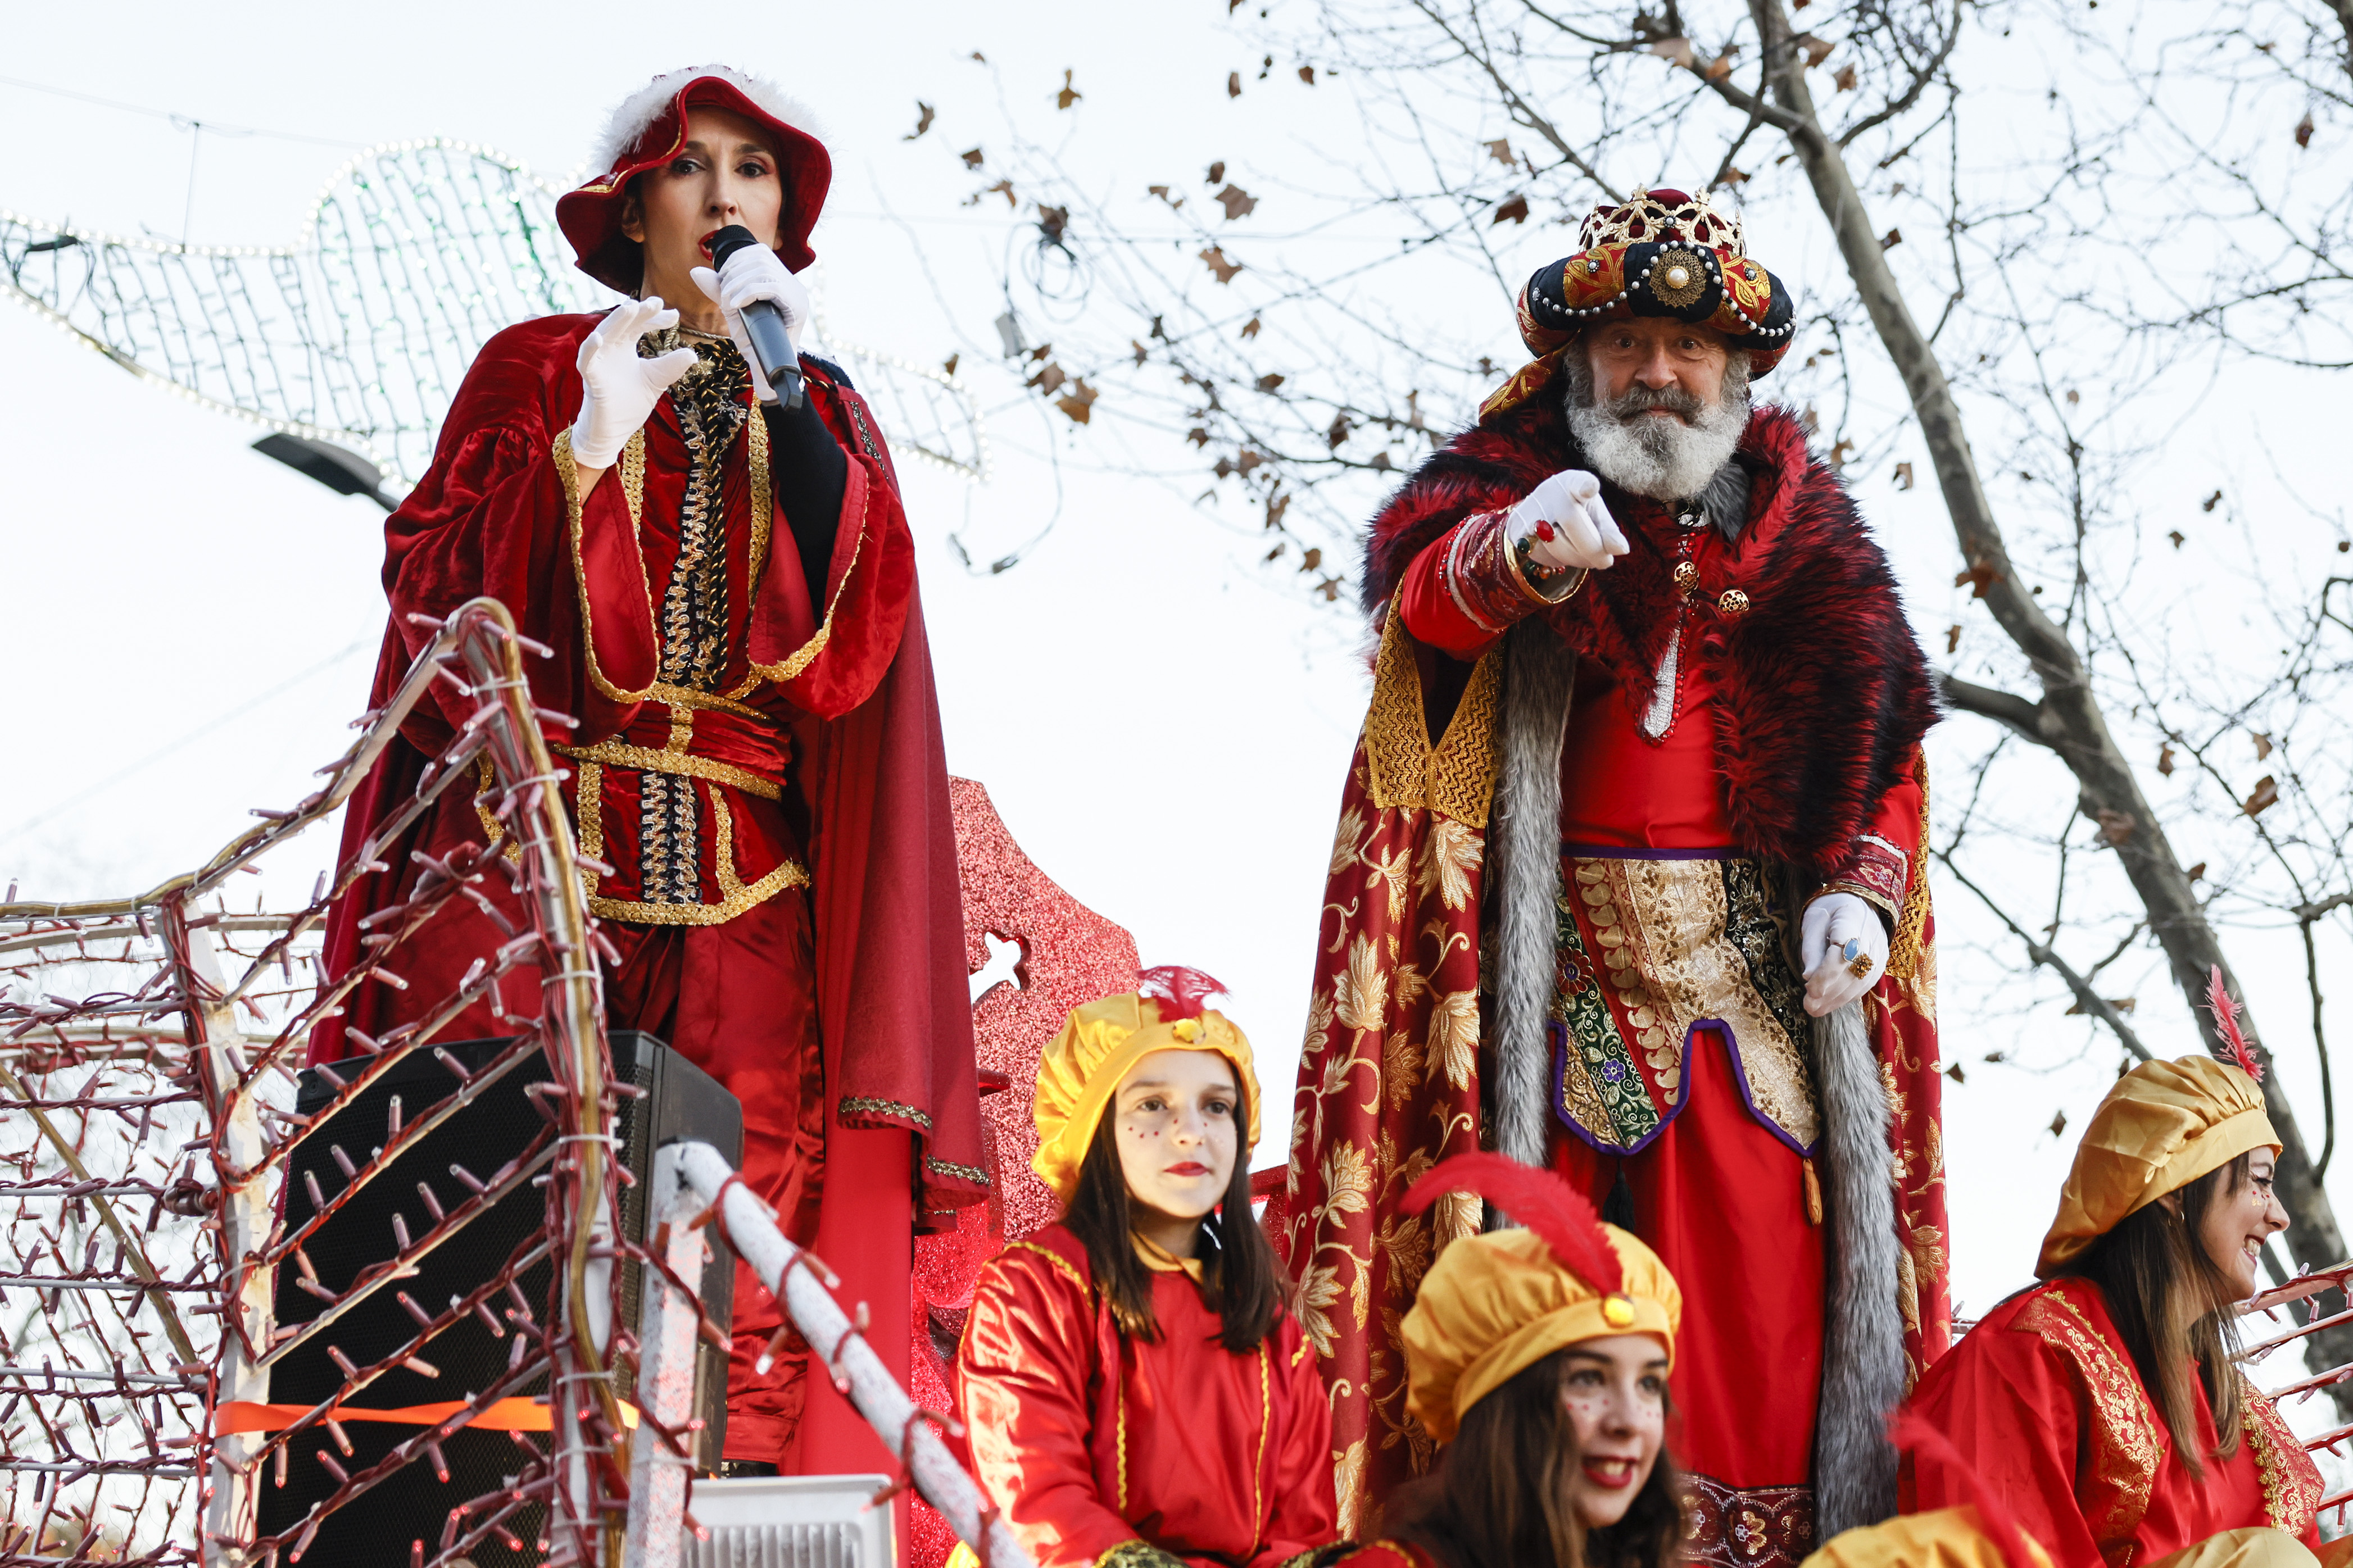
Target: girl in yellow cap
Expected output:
[1538,1359]
[2103,1407]
[1134,1390]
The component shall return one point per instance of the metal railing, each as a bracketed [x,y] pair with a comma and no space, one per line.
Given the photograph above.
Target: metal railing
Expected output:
[148,1053]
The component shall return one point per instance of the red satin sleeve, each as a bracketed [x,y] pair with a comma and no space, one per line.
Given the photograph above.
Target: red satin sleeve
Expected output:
[490,517]
[2016,1415]
[1306,1513]
[1028,1358]
[833,666]
[1430,612]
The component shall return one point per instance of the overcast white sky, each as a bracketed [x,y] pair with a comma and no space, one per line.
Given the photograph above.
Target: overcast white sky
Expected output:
[191,625]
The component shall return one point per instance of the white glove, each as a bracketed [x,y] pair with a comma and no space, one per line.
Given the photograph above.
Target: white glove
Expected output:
[617,389]
[756,272]
[1565,524]
[1834,921]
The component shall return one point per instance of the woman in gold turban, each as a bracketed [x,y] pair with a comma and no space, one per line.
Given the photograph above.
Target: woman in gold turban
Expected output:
[2103,1407]
[1136,1393]
[1538,1359]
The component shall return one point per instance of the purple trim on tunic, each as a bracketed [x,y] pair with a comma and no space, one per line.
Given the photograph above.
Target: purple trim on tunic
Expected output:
[1559,1032]
[1620,852]
[1740,1072]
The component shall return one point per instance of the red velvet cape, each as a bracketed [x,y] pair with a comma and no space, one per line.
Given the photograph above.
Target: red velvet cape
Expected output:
[1821,690]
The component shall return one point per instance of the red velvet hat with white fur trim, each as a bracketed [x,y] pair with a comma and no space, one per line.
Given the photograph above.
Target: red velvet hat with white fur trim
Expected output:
[649,128]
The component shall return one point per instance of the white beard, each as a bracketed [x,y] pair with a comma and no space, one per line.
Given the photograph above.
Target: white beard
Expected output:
[1666,459]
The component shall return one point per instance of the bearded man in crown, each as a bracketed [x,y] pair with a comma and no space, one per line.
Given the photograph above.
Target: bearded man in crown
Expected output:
[1628,883]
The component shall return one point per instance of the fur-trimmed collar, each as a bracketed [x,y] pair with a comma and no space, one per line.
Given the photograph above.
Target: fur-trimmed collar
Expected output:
[636,114]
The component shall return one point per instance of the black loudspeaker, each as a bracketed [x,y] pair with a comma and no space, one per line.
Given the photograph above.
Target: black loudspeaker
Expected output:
[374,1530]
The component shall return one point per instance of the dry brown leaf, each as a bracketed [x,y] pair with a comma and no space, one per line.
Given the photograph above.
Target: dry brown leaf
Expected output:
[1215,258]
[2266,795]
[1501,151]
[1270,381]
[2197,873]
[1903,476]
[1198,437]
[1676,51]
[1311,560]
[1078,403]
[1953,638]
[1956,1074]
[1249,460]
[2304,130]
[2210,502]
[1891,239]
[1841,454]
[1276,505]
[1381,461]
[1307,75]
[971,159]
[1233,84]
[1251,328]
[2116,827]
[1217,173]
[1721,67]
[1845,78]
[1330,589]
[922,120]
[1338,432]
[1053,221]
[1816,49]
[1063,100]
[1049,379]
[2165,761]
[949,363]
[1730,178]
[1981,577]
[2058,1125]
[2263,744]
[1512,209]
[1142,353]
[2074,398]
[1238,202]
[2178,538]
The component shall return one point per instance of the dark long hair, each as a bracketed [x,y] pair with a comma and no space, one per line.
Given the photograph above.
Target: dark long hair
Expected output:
[1238,1277]
[2172,1306]
[1499,1497]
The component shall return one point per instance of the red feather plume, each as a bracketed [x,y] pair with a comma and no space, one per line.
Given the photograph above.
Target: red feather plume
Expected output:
[1912,1435]
[1540,1200]
[2226,1024]
[1182,993]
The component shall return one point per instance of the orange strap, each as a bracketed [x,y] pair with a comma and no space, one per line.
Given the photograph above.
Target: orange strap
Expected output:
[502,1415]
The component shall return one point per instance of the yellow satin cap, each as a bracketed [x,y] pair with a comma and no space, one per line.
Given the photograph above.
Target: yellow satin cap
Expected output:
[2164,1125]
[1098,1045]
[1494,1304]
[1941,1538]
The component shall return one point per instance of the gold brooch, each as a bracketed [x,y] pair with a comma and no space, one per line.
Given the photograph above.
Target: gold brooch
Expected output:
[1686,579]
[1678,276]
[1186,1029]
[1617,1311]
[1732,603]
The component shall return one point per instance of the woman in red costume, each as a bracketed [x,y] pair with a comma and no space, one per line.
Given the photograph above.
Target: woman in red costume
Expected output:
[1537,1358]
[727,587]
[1134,1390]
[2104,1408]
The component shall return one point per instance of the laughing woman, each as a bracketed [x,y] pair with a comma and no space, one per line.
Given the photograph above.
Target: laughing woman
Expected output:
[1538,1359]
[2105,1408]
[1135,1393]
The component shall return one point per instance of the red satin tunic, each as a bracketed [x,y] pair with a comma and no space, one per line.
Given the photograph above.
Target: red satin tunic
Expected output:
[2041,1401]
[1087,1438]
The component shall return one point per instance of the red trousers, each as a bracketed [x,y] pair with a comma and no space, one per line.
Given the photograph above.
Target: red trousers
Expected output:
[1721,1201]
[737,1000]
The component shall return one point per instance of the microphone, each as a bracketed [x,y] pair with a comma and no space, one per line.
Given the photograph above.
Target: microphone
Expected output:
[772,346]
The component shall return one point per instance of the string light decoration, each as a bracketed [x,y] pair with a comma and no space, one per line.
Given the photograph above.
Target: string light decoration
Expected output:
[358,332]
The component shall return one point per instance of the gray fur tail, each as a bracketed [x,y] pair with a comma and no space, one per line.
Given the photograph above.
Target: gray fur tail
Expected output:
[1524,865]
[1863,1350]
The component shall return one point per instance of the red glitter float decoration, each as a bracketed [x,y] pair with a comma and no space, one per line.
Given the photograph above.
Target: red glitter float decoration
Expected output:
[1070,956]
